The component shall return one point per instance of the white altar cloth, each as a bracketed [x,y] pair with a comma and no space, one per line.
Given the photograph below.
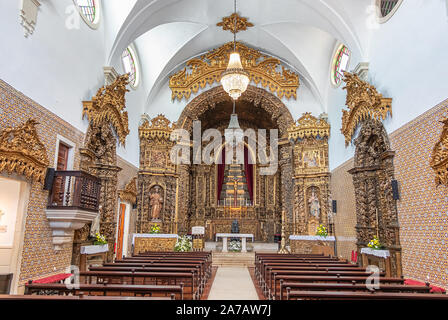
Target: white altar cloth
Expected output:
[243,237]
[94,249]
[377,253]
[312,238]
[153,235]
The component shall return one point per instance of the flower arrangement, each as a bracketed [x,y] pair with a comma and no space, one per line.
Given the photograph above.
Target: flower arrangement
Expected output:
[235,246]
[99,239]
[321,231]
[375,244]
[155,229]
[183,244]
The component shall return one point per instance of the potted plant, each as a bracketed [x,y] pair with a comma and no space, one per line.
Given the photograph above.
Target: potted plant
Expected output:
[155,229]
[321,231]
[235,246]
[100,240]
[183,244]
[376,244]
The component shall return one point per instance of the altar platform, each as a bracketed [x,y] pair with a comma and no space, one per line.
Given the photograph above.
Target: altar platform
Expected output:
[216,246]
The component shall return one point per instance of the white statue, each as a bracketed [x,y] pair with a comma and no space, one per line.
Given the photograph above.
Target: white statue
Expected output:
[314,205]
[95,228]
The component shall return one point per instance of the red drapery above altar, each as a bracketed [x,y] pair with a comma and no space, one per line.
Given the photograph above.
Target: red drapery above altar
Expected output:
[221,169]
[248,170]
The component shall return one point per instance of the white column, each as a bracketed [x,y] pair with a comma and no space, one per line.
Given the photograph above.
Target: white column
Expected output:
[243,244]
[224,244]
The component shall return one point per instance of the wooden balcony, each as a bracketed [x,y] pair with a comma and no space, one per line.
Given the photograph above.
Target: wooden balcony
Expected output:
[73,202]
[74,190]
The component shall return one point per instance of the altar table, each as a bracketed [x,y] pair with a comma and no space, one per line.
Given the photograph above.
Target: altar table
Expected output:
[159,242]
[304,244]
[90,251]
[243,237]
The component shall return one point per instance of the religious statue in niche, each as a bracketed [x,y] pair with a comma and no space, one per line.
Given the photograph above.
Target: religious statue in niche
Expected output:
[95,227]
[311,159]
[156,201]
[314,204]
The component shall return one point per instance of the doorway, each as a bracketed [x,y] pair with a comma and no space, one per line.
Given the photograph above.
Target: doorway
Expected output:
[14,195]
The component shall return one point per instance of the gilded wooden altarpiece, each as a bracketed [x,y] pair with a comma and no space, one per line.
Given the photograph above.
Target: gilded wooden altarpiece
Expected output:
[373,172]
[129,193]
[439,159]
[156,173]
[108,124]
[22,152]
[198,183]
[309,136]
[207,69]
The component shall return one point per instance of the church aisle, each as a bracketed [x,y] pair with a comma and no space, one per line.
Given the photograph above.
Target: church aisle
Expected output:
[233,283]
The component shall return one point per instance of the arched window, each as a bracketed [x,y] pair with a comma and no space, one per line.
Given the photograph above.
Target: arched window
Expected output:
[340,64]
[89,11]
[386,9]
[130,65]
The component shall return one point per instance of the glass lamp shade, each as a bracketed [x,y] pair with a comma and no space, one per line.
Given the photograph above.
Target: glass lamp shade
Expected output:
[233,133]
[235,79]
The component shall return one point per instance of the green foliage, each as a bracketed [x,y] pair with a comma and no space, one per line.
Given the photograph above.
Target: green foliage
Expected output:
[100,239]
[321,231]
[183,244]
[155,229]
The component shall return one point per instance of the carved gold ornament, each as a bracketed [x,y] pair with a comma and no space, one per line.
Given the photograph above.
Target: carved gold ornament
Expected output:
[439,159]
[228,23]
[363,101]
[158,127]
[22,152]
[309,126]
[129,193]
[108,106]
[208,68]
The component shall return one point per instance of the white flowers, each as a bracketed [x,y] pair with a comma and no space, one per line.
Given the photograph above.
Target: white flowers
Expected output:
[183,245]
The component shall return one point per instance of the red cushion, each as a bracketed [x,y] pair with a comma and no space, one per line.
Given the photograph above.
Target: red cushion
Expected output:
[435,289]
[53,279]
[411,282]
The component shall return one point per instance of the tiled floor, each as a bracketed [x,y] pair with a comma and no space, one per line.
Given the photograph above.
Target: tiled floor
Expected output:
[233,283]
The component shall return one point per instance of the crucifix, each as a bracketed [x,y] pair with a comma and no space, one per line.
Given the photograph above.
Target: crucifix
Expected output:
[235,190]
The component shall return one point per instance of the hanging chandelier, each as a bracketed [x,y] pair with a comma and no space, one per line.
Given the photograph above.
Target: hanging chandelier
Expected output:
[235,79]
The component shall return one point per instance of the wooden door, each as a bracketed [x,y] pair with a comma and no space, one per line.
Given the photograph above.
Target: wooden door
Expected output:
[59,182]
[120,236]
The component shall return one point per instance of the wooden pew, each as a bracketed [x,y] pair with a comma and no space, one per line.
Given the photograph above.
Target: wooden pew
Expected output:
[105,290]
[80,297]
[278,279]
[190,285]
[347,295]
[199,279]
[297,286]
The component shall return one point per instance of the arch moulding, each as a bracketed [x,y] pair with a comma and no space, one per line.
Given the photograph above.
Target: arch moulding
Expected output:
[259,97]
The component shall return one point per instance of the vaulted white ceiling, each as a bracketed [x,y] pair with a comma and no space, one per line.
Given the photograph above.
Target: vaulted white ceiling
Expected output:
[303,34]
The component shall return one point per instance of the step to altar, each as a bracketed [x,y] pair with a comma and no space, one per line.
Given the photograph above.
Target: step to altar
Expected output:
[233,259]
[266,247]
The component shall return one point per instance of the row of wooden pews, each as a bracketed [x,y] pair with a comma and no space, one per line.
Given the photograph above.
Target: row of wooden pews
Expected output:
[319,277]
[157,275]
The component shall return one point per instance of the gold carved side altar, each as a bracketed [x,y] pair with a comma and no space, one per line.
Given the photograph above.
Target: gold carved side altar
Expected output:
[145,242]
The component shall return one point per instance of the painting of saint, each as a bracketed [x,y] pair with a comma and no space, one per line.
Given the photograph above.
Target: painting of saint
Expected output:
[311,159]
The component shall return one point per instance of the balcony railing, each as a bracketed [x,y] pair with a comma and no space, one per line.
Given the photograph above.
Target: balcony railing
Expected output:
[74,190]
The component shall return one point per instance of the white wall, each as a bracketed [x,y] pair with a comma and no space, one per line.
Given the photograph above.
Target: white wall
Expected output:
[408,62]
[55,66]
[59,67]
